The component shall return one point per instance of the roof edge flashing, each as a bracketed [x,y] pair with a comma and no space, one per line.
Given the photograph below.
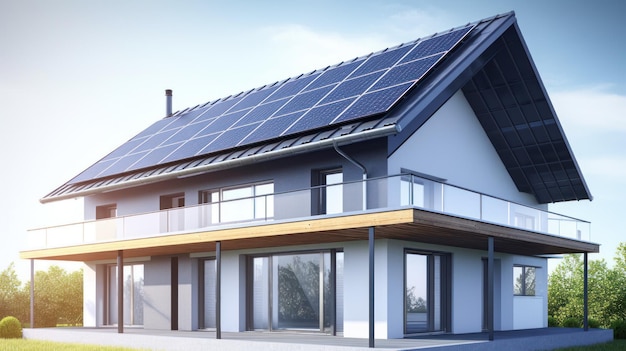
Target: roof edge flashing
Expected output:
[302,148]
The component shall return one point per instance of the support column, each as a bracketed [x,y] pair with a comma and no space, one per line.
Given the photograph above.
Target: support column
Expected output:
[120,291]
[333,292]
[585,293]
[32,293]
[490,294]
[218,290]
[371,287]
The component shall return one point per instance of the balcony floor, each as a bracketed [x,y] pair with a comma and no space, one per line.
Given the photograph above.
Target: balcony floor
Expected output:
[519,340]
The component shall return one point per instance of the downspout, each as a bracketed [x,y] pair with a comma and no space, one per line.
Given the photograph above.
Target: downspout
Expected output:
[363,169]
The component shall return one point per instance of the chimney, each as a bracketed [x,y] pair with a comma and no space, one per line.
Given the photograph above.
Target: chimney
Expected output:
[168,102]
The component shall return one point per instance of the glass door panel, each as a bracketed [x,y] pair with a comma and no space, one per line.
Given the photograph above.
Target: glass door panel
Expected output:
[427,299]
[416,303]
[260,292]
[209,293]
[294,292]
[297,291]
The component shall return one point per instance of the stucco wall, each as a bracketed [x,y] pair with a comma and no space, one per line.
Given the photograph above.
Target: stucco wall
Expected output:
[453,145]
[157,293]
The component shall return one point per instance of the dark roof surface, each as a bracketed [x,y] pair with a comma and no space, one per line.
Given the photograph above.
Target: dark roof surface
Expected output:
[364,98]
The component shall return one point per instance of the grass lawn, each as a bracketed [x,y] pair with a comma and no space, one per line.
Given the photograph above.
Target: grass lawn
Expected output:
[38,345]
[616,345]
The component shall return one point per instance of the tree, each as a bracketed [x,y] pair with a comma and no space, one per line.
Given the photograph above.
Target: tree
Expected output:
[606,289]
[13,302]
[58,297]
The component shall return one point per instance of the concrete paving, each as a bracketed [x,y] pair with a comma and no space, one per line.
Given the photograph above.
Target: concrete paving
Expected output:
[160,340]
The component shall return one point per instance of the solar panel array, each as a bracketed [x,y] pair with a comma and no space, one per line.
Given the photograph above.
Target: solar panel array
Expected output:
[343,93]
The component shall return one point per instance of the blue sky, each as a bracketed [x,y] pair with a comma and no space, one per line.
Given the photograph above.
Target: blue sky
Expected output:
[79,78]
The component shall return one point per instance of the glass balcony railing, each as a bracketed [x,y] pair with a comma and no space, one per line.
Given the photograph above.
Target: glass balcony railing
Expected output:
[385,193]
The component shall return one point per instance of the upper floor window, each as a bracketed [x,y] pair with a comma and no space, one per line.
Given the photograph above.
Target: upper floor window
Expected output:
[524,280]
[172,201]
[106,211]
[328,198]
[241,203]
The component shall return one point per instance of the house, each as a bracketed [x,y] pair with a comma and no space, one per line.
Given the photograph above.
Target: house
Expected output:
[398,193]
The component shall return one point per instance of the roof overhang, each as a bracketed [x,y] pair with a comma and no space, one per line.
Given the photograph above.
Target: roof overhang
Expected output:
[405,224]
[496,73]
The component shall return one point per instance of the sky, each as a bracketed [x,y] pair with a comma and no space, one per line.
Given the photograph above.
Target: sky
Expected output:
[79,78]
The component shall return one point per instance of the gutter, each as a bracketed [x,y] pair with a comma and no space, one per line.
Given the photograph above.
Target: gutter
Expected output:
[238,162]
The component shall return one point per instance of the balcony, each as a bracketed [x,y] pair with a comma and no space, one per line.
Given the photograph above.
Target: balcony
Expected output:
[381,194]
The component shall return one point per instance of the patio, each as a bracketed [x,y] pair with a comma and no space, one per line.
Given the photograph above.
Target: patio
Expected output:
[519,340]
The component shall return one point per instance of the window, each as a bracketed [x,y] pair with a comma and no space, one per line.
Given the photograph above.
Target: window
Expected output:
[328,196]
[412,191]
[525,221]
[173,220]
[106,211]
[235,204]
[421,190]
[524,280]
[172,201]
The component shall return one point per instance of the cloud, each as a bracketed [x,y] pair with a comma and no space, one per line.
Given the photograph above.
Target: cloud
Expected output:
[594,108]
[300,47]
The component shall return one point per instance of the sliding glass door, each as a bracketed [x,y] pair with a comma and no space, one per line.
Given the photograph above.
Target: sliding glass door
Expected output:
[132,295]
[296,291]
[427,292]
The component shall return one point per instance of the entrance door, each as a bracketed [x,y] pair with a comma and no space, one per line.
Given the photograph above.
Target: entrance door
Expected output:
[427,286]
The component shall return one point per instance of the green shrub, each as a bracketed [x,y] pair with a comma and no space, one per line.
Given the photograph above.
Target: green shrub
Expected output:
[619,329]
[593,323]
[572,323]
[10,328]
[553,322]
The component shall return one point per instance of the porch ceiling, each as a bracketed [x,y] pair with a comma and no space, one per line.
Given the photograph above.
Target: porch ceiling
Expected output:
[405,224]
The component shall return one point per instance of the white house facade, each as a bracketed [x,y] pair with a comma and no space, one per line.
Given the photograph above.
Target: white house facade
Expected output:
[400,193]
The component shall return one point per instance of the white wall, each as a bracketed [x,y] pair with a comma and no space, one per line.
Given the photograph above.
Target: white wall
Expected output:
[157,293]
[453,145]
[467,291]
[524,312]
[388,290]
[92,299]
[187,293]
[233,292]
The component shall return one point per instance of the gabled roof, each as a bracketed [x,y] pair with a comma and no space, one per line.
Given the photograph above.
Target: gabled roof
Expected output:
[389,93]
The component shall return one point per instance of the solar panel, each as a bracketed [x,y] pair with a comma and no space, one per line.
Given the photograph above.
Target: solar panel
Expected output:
[334,75]
[373,103]
[319,117]
[343,93]
[261,112]
[271,127]
[352,87]
[305,100]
